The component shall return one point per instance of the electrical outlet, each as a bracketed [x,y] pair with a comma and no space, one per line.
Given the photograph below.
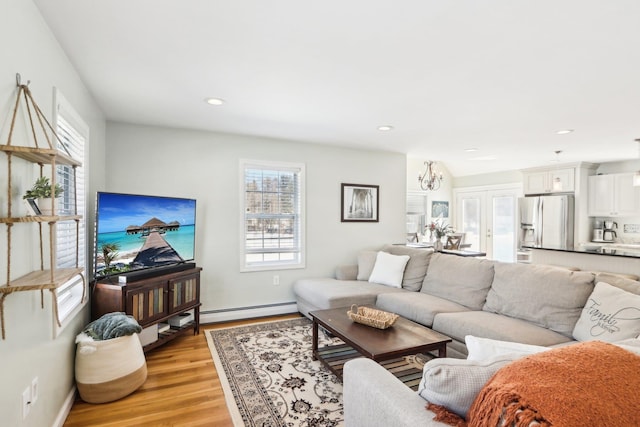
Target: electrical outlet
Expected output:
[276,280]
[34,390]
[26,402]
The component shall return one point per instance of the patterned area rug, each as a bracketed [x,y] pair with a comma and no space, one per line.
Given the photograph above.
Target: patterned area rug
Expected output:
[269,378]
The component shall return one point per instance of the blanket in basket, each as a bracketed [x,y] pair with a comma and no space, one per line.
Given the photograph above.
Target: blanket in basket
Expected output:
[587,384]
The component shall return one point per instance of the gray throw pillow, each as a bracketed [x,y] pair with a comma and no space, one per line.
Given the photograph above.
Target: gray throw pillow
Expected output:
[455,383]
[417,266]
[366,261]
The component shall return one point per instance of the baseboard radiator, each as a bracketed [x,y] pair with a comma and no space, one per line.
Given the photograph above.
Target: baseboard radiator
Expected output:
[239,313]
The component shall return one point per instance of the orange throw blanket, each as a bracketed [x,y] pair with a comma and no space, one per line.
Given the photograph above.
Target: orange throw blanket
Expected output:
[586,384]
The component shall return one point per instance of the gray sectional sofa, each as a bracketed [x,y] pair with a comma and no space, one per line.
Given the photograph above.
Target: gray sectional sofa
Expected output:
[457,296]
[461,296]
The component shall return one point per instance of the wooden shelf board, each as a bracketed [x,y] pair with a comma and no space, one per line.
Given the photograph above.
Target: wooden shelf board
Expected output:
[40,155]
[39,218]
[40,279]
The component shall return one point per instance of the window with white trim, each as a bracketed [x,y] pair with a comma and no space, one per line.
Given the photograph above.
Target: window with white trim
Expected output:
[273,215]
[73,135]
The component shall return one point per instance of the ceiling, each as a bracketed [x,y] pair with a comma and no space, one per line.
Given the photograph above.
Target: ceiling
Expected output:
[501,76]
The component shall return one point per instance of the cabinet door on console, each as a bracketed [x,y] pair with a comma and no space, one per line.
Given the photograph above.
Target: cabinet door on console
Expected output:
[149,302]
[184,292]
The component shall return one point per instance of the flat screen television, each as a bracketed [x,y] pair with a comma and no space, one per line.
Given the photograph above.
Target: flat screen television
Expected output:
[136,232]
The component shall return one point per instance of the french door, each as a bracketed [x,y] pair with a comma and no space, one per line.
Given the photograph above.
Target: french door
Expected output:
[488,219]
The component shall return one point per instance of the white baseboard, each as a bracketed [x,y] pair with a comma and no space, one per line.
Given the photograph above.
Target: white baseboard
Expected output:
[65,409]
[239,313]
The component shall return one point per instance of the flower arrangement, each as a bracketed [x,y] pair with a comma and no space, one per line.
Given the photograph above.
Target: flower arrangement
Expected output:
[440,229]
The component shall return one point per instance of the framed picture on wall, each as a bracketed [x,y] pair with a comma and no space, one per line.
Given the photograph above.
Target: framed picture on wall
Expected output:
[439,209]
[359,203]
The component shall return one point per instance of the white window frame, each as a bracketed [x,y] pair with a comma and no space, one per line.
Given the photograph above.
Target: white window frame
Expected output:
[70,294]
[299,169]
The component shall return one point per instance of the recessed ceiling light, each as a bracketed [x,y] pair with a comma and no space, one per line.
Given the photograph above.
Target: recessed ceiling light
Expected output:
[214,101]
[564,131]
[385,128]
[471,149]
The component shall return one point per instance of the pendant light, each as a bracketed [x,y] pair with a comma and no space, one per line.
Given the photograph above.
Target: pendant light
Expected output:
[557,182]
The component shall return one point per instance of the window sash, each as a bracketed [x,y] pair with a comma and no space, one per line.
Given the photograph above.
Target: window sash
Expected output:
[73,135]
[272,226]
[66,234]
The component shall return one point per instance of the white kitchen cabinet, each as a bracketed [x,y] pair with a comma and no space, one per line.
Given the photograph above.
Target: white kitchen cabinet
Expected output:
[541,182]
[613,195]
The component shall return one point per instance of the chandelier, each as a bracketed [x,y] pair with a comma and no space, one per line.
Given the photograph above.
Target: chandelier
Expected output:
[430,179]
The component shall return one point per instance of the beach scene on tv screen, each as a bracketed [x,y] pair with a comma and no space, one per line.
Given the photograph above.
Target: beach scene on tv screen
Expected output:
[135,231]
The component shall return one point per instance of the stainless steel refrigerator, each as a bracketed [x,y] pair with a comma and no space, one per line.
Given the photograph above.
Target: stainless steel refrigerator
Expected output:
[546,221]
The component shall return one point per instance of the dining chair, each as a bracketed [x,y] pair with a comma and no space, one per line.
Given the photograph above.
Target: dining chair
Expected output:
[454,241]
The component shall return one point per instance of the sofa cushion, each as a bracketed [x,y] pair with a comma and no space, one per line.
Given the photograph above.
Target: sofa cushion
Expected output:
[417,266]
[455,383]
[551,297]
[494,326]
[416,306]
[611,314]
[366,261]
[389,269]
[459,279]
[324,293]
[346,272]
[607,274]
[486,348]
[619,281]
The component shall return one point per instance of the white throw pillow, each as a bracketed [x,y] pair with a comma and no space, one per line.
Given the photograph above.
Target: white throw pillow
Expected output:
[485,348]
[455,383]
[609,315]
[389,269]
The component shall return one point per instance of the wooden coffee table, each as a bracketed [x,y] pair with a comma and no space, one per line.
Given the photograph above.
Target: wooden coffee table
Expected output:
[403,338]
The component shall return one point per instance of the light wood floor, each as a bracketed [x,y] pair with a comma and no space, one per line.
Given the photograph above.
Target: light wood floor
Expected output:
[182,389]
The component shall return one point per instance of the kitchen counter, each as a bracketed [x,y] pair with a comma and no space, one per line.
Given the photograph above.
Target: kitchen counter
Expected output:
[609,249]
[606,258]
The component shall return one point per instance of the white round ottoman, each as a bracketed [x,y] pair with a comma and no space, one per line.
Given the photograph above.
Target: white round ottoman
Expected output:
[111,369]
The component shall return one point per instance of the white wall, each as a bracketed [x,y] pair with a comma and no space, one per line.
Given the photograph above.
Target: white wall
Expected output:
[29,350]
[205,166]
[497,178]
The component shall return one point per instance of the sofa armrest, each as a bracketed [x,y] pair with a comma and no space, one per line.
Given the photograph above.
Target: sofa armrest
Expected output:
[347,272]
[373,397]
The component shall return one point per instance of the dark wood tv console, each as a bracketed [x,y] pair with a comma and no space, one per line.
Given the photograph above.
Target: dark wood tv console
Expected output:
[152,300]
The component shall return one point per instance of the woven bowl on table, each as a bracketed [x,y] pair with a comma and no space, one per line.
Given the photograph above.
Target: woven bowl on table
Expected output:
[372,317]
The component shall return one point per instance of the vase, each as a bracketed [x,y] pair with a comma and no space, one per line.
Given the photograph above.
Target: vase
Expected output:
[438,245]
[45,206]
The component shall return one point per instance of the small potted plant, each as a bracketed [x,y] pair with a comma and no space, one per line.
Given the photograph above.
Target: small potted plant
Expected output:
[41,191]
